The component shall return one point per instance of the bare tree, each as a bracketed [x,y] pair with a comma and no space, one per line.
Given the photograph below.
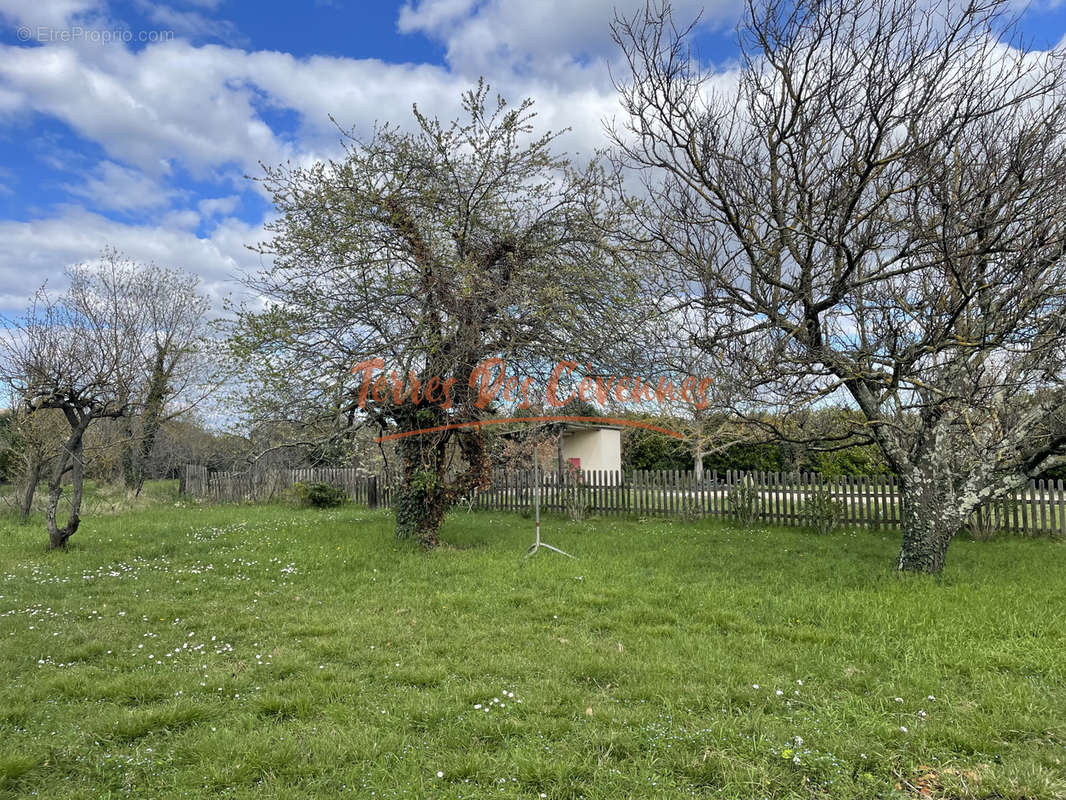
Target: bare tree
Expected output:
[418,256]
[104,349]
[174,351]
[872,208]
[77,354]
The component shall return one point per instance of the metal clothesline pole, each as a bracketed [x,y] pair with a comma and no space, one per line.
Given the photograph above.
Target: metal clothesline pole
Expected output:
[533,548]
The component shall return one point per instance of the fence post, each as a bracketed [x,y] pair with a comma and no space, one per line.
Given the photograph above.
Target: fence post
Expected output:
[372,491]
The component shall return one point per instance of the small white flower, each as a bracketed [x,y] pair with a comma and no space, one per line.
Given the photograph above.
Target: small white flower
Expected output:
[899,699]
[755,686]
[903,728]
[779,693]
[440,774]
[931,698]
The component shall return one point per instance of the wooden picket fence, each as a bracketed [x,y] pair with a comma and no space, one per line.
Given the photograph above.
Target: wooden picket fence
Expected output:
[260,485]
[775,498]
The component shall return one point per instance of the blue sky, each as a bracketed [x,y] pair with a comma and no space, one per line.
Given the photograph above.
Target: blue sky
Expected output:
[134,123]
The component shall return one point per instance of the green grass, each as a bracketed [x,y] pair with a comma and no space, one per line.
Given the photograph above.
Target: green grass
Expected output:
[100,498]
[261,652]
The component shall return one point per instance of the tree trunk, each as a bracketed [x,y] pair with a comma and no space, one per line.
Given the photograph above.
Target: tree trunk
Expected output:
[421,501]
[925,544]
[697,462]
[429,491]
[128,459]
[129,462]
[152,417]
[72,457]
[420,509]
[139,448]
[33,477]
[932,514]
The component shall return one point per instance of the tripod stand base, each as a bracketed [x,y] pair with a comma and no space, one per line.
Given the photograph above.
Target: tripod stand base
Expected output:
[533,548]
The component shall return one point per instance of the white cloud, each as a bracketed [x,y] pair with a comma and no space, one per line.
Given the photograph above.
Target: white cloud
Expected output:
[553,38]
[189,23]
[218,206]
[185,219]
[35,251]
[50,14]
[172,107]
[201,106]
[113,186]
[207,108]
[433,16]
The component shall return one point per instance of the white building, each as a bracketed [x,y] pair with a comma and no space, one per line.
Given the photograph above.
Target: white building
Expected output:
[591,447]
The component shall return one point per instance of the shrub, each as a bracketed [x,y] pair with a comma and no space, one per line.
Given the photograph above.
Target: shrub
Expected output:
[318,495]
[744,502]
[576,499]
[689,508]
[821,511]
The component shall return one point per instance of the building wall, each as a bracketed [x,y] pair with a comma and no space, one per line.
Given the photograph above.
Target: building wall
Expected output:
[598,448]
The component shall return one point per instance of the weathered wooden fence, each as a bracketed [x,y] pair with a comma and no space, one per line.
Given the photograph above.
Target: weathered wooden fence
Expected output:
[775,498]
[267,484]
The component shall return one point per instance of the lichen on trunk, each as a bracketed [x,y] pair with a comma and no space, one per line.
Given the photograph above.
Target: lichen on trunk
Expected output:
[926,536]
[936,504]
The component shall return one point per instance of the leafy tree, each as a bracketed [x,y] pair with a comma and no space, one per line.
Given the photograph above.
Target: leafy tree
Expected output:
[416,257]
[650,450]
[750,456]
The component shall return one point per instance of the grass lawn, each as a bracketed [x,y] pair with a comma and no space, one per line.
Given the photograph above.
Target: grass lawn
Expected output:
[260,652]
